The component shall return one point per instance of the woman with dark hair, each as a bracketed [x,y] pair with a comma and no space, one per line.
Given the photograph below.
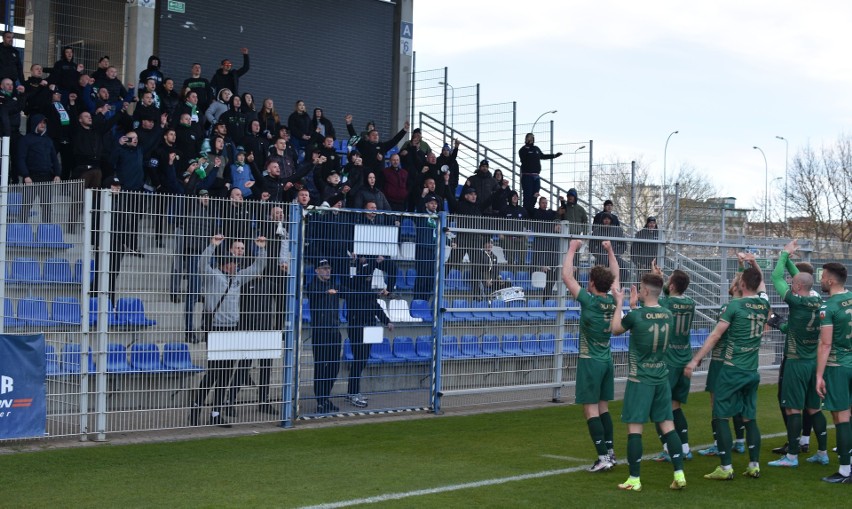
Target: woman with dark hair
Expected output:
[323,124]
[369,192]
[248,107]
[299,124]
[270,122]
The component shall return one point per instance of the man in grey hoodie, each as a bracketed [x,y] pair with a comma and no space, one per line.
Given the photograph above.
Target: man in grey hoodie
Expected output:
[222,300]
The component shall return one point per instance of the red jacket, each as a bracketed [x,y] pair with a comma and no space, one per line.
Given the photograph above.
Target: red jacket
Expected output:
[396,184]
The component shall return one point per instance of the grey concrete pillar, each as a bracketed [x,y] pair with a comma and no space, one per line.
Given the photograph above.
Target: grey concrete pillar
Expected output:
[403,59]
[37,46]
[139,38]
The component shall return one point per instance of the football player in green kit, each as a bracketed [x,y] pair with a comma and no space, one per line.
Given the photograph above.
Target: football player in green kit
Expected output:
[798,386]
[648,394]
[834,362]
[595,375]
[736,385]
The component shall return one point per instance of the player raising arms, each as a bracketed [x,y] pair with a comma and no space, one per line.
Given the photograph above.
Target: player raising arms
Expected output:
[595,376]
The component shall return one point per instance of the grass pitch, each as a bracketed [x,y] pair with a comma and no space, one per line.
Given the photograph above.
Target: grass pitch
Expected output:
[530,458]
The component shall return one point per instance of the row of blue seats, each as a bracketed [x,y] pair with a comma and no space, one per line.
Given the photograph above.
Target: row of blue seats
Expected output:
[469,346]
[405,278]
[420,309]
[462,281]
[54,271]
[142,358]
[47,236]
[66,311]
[499,311]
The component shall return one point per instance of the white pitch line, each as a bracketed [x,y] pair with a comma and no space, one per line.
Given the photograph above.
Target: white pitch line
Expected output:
[477,484]
[565,458]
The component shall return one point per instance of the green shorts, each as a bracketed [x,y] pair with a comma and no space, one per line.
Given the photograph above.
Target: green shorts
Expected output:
[679,383]
[735,393]
[712,374]
[643,402]
[798,387]
[594,382]
[838,388]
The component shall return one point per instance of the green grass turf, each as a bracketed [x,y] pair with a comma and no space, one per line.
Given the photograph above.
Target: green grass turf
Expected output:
[323,465]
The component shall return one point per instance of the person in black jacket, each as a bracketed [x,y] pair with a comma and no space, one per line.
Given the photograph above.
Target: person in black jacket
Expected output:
[515,246]
[38,163]
[152,71]
[199,85]
[65,73]
[195,225]
[531,157]
[364,311]
[371,149]
[323,300]
[11,64]
[299,124]
[228,77]
[321,126]
[11,105]
[426,249]
[641,253]
[606,210]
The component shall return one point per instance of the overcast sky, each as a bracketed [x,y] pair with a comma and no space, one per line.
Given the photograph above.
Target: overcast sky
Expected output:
[728,75]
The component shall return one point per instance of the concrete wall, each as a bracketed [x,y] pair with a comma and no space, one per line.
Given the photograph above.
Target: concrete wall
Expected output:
[336,55]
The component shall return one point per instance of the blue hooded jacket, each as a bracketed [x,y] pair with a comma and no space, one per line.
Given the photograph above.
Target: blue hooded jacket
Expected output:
[37,157]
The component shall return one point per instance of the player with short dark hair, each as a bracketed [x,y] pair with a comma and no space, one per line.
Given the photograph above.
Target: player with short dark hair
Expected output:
[834,362]
[738,379]
[797,387]
[595,374]
[648,394]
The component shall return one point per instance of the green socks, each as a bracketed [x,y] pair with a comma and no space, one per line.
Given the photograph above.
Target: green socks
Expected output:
[821,430]
[606,421]
[675,449]
[596,431]
[794,431]
[724,441]
[634,453]
[680,425]
[753,439]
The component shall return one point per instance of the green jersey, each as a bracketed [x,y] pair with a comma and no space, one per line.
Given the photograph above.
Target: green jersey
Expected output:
[650,329]
[595,329]
[679,352]
[802,325]
[837,313]
[719,347]
[747,317]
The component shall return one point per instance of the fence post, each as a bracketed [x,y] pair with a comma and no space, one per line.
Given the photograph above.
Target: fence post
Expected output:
[4,211]
[551,162]
[560,319]
[632,197]
[85,287]
[290,368]
[515,175]
[103,268]
[413,82]
[591,211]
[438,324]
[478,122]
[444,123]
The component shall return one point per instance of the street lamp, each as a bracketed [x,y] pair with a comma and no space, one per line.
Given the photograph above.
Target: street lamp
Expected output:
[539,118]
[663,187]
[452,107]
[765,191]
[786,161]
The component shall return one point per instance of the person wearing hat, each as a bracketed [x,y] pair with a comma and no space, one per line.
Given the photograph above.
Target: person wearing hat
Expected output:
[573,213]
[515,246]
[426,248]
[642,253]
[607,209]
[447,163]
[414,154]
[484,184]
[323,301]
[531,157]
[240,175]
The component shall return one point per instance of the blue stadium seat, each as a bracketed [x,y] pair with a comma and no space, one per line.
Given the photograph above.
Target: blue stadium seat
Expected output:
[453,280]
[32,312]
[71,360]
[570,343]
[51,361]
[114,318]
[501,311]
[518,314]
[410,278]
[402,281]
[146,357]
[551,303]
[24,271]
[57,271]
[347,350]
[536,315]
[507,275]
[470,346]
[524,280]
[423,347]
[572,313]
[15,202]
[491,346]
[176,357]
[450,316]
[131,310]
[485,314]
[309,274]
[529,344]
[406,228]
[450,347]
[117,359]
[464,315]
[66,311]
[306,311]
[78,271]
[50,236]
[403,348]
[382,352]
[20,235]
[421,309]
[511,345]
[619,343]
[9,319]
[547,343]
